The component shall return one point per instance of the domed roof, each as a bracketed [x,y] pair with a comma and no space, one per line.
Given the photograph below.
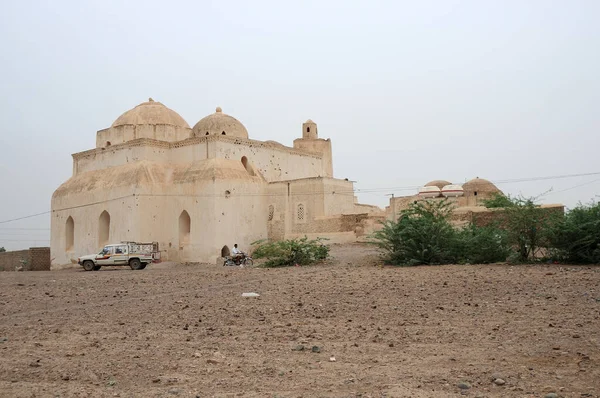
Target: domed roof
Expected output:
[220,123]
[438,183]
[153,113]
[480,185]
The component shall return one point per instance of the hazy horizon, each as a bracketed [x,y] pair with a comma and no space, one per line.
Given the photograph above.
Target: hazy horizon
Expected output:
[408,92]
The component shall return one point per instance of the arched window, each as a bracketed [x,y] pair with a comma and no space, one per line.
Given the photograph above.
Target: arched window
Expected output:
[103,228]
[308,129]
[300,212]
[223,133]
[271,212]
[69,234]
[185,225]
[107,143]
[225,251]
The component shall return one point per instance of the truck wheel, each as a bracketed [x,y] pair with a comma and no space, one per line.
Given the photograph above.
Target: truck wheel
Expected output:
[143,266]
[88,265]
[97,267]
[135,264]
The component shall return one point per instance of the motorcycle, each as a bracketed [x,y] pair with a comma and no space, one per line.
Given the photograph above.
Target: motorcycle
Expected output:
[241,261]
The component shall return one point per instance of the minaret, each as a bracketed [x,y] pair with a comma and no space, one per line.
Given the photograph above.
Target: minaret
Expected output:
[310,142]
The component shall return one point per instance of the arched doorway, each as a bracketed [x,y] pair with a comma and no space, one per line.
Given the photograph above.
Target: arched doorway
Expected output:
[225,251]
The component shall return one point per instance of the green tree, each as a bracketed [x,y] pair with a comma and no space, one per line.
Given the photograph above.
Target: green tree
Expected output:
[2,249]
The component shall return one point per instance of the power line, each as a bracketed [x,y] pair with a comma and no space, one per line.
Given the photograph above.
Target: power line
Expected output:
[24,229]
[332,192]
[24,217]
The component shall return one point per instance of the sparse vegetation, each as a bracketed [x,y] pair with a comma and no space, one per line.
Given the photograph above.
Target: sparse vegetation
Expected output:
[524,232]
[2,249]
[289,252]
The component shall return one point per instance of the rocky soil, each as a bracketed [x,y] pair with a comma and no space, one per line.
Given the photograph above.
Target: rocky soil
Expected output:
[349,328]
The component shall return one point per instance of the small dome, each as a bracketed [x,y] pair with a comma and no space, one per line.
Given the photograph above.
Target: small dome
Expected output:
[430,192]
[438,183]
[480,185]
[153,113]
[220,123]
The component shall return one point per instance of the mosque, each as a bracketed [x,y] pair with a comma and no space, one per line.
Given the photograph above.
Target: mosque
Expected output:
[196,191]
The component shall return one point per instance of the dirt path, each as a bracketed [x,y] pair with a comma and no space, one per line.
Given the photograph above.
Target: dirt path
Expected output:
[395,332]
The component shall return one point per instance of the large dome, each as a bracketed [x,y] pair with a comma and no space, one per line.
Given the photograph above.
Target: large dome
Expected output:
[480,185]
[220,124]
[152,113]
[438,183]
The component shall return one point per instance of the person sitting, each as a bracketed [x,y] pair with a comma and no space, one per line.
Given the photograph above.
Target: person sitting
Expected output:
[236,253]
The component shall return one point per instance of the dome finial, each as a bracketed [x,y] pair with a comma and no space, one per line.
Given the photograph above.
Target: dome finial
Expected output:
[219,110]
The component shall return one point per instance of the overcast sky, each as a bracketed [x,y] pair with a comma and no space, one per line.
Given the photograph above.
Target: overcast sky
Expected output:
[408,91]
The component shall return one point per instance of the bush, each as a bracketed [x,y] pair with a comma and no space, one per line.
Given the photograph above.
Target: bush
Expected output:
[576,237]
[422,235]
[482,245]
[528,228]
[290,252]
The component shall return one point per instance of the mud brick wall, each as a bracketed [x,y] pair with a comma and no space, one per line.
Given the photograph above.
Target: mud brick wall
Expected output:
[34,259]
[39,259]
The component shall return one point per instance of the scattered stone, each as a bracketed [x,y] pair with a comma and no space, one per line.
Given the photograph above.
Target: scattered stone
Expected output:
[299,347]
[316,348]
[251,294]
[463,385]
[551,395]
[332,359]
[174,391]
[576,336]
[212,361]
[197,355]
[3,339]
[156,380]
[65,377]
[499,382]
[35,364]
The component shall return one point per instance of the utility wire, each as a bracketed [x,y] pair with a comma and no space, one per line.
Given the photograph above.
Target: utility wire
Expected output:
[332,192]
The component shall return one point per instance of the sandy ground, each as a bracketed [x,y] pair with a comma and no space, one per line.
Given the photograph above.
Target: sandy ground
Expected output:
[185,330]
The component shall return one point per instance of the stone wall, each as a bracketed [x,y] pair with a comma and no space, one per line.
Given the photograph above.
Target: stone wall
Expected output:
[34,259]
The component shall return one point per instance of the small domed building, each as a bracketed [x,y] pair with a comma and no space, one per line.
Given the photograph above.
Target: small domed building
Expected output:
[465,197]
[197,191]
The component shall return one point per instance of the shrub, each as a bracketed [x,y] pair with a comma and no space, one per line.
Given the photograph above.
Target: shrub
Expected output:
[482,245]
[290,252]
[576,237]
[528,228]
[422,235]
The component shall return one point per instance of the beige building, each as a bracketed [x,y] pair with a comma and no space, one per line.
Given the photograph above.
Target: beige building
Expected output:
[199,190]
[468,201]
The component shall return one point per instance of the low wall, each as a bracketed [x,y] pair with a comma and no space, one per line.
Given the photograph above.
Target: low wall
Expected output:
[33,259]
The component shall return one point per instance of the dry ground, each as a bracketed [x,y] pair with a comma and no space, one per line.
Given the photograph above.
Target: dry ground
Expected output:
[396,332]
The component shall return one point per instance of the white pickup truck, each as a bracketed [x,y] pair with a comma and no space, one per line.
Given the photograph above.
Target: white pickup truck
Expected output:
[135,254]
